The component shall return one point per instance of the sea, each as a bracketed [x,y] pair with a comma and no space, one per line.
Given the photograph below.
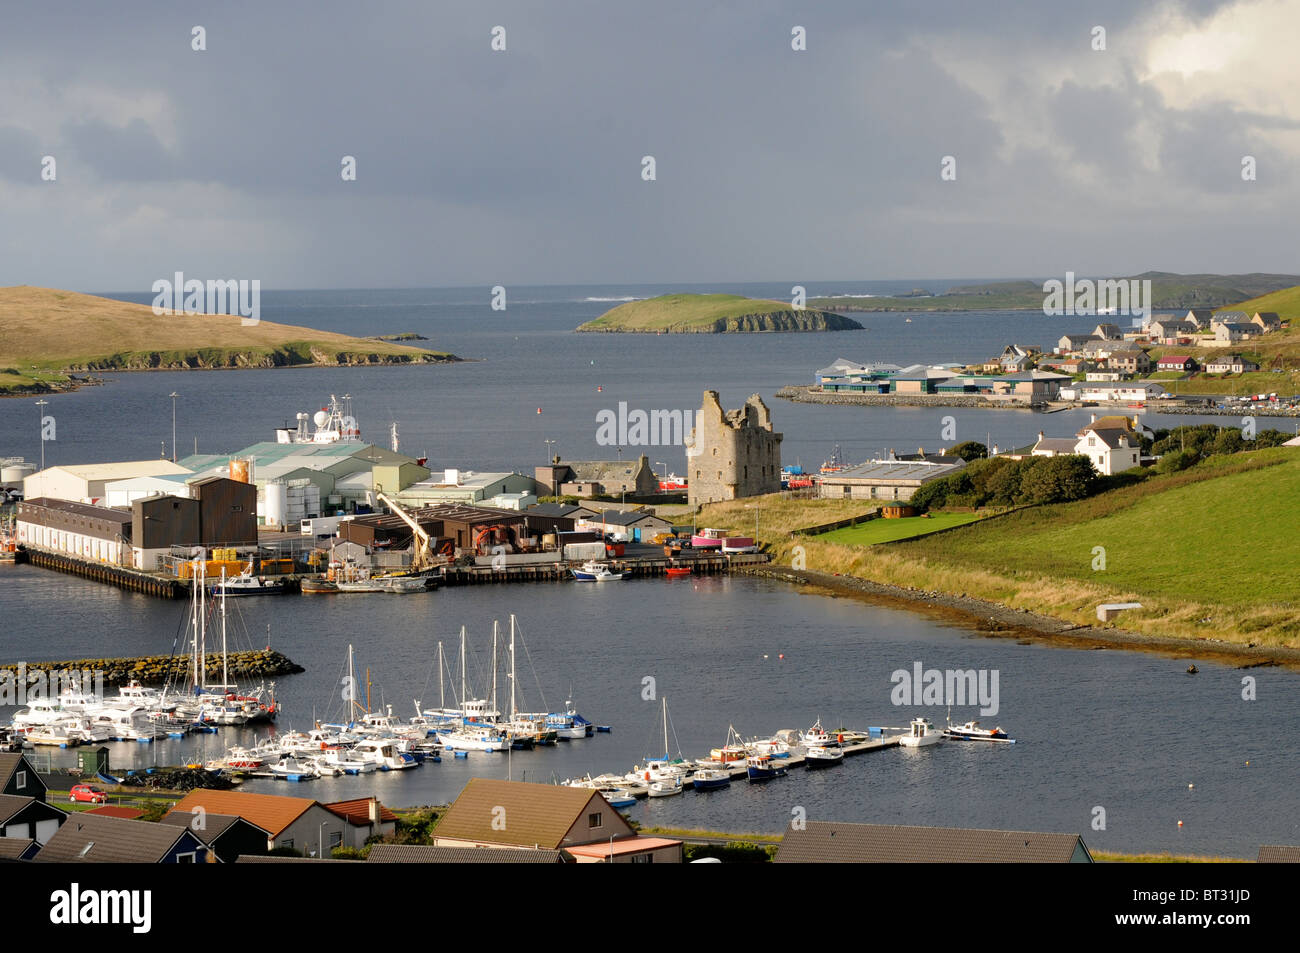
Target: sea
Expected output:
[1123,747]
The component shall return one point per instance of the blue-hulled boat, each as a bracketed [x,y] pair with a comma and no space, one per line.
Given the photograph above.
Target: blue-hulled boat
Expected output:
[710,779]
[761,767]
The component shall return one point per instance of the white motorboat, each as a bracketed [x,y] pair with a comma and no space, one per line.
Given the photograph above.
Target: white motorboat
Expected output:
[596,571]
[473,738]
[818,737]
[921,734]
[971,731]
[823,756]
[666,787]
[291,767]
[246,584]
[384,754]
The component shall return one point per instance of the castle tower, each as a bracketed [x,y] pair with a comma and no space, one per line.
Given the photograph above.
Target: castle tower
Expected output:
[732,453]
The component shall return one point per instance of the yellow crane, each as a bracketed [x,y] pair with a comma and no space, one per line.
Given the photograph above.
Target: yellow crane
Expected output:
[422,556]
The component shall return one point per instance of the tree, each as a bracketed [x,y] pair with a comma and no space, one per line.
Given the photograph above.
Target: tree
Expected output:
[968,451]
[1057,479]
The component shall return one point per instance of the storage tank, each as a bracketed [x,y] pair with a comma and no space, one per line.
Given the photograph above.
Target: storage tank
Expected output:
[277,502]
[241,470]
[16,472]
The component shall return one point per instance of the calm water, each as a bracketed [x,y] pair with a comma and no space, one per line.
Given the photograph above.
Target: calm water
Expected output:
[1122,731]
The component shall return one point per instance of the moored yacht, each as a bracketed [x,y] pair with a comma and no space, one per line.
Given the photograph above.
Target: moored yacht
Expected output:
[921,734]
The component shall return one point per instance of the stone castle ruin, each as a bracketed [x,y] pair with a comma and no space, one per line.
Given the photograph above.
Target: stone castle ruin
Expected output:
[732,453]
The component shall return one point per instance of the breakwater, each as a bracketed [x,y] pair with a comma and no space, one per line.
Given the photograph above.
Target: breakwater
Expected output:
[805,394]
[158,669]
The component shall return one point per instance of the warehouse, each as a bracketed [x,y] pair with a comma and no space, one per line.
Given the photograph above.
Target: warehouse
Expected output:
[85,483]
[77,529]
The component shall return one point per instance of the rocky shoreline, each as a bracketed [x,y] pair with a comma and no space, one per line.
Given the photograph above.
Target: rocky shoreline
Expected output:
[994,620]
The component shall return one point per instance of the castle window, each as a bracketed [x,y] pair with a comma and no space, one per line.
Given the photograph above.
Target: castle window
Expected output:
[715,451]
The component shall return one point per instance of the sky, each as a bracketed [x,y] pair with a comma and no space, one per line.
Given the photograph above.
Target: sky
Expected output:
[1105,154]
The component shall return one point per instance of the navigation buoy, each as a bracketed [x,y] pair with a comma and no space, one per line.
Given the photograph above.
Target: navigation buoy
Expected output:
[1180,823]
[1190,786]
[764,656]
[781,656]
[599,388]
[539,410]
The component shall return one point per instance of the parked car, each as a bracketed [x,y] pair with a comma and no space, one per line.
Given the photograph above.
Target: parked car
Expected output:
[85,794]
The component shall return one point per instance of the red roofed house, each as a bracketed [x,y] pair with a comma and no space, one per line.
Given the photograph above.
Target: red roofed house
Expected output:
[1177,362]
[366,818]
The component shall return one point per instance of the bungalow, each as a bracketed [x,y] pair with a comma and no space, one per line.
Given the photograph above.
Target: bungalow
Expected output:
[89,839]
[1266,320]
[523,816]
[367,818]
[825,842]
[882,480]
[1177,362]
[1231,364]
[295,823]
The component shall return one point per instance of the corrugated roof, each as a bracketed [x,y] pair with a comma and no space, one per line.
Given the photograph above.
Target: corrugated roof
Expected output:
[422,854]
[79,509]
[829,842]
[123,470]
[91,838]
[535,814]
[1278,854]
[887,470]
[271,812]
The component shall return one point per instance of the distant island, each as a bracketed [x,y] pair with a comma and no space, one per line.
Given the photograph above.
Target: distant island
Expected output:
[47,335]
[1169,291]
[715,314]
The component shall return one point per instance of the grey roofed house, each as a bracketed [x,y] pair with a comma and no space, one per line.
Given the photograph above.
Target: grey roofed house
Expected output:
[1278,854]
[19,777]
[94,838]
[827,842]
[560,511]
[1201,317]
[1056,446]
[1109,332]
[421,854]
[29,817]
[229,835]
[1232,317]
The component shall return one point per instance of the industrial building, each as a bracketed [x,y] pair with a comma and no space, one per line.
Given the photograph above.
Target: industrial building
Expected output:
[598,477]
[85,483]
[76,529]
[516,490]
[883,479]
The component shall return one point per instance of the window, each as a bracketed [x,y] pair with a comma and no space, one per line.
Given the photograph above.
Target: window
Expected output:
[287,842]
[189,858]
[593,820]
[643,858]
[336,838]
[20,780]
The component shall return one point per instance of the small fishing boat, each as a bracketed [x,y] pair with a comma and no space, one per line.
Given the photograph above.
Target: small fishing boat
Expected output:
[732,750]
[761,767]
[666,787]
[710,779]
[292,769]
[246,584]
[317,586]
[823,756]
[819,737]
[595,571]
[676,572]
[922,734]
[971,731]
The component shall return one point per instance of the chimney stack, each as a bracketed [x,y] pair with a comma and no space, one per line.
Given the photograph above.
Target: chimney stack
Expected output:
[374,809]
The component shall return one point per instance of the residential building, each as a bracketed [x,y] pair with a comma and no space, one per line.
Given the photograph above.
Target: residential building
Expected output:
[29,818]
[732,454]
[366,818]
[423,854]
[882,480]
[228,836]
[1266,320]
[1177,362]
[93,839]
[1227,332]
[1230,364]
[296,823]
[1201,317]
[1129,361]
[1072,343]
[825,842]
[525,816]
[1108,332]
[19,778]
[1111,444]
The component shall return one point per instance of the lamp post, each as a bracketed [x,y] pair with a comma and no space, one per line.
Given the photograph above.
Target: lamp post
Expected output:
[173,396]
[40,427]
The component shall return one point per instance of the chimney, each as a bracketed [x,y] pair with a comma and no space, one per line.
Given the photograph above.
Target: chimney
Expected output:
[1040,435]
[373,807]
[1092,419]
[921,450]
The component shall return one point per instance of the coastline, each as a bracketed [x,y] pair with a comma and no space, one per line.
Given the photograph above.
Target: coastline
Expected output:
[994,620]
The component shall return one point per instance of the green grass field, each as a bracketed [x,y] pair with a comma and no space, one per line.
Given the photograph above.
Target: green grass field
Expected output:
[888,531]
[708,312]
[1209,552]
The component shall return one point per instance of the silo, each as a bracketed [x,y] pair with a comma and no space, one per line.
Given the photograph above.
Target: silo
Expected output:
[15,473]
[276,503]
[241,470]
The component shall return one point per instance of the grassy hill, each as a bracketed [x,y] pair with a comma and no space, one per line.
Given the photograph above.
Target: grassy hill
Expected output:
[46,334]
[1169,291]
[1285,302]
[715,314]
[1209,553]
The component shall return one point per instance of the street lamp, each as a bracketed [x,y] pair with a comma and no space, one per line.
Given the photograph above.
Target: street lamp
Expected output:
[40,427]
[173,396]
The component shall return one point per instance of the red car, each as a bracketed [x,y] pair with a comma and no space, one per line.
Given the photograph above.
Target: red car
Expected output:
[85,793]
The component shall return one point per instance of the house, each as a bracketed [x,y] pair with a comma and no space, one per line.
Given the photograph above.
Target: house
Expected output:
[1266,320]
[1177,362]
[525,816]
[295,823]
[1129,361]
[1171,331]
[1231,332]
[1072,343]
[229,837]
[598,477]
[29,818]
[91,839]
[13,849]
[635,525]
[1018,357]
[1113,444]
[882,480]
[423,854]
[1108,332]
[1071,366]
[366,817]
[1230,364]
[1201,317]
[19,778]
[825,842]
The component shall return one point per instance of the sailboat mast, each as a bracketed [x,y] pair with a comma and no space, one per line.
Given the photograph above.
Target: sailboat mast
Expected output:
[225,663]
[513,713]
[665,726]
[442,698]
[462,672]
[203,626]
[352,685]
[495,629]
